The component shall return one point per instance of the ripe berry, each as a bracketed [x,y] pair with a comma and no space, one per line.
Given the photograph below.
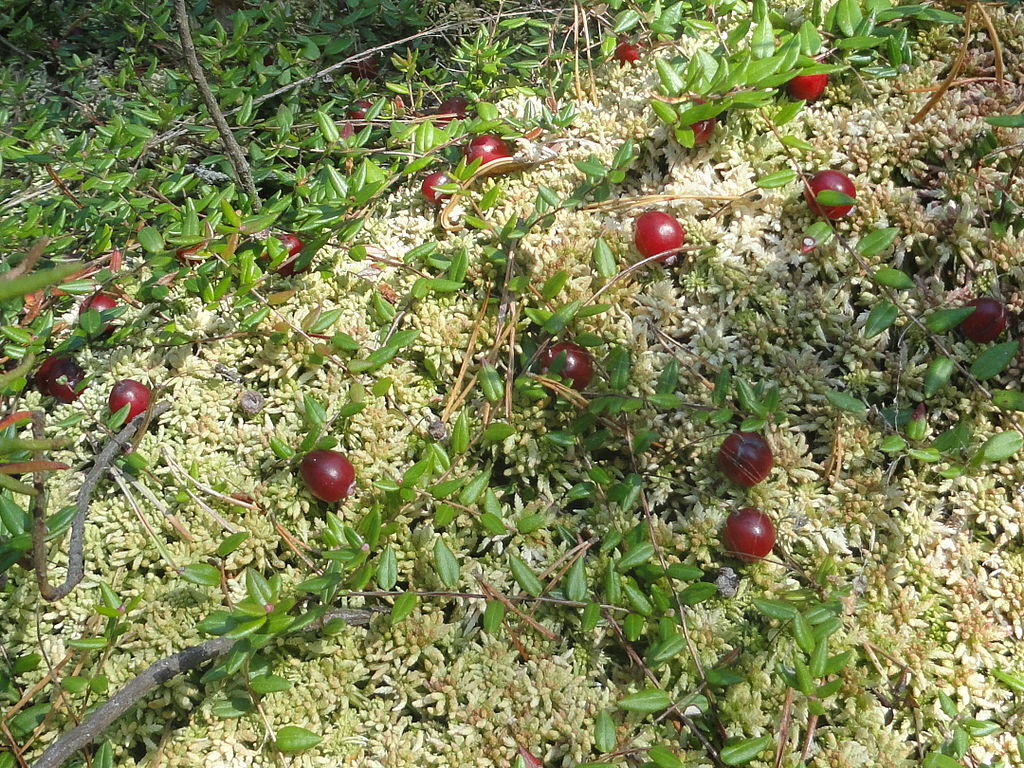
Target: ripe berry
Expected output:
[570,361]
[358,110]
[986,322]
[807,87]
[447,110]
[626,53]
[367,67]
[58,376]
[702,131]
[745,458]
[833,180]
[129,392]
[432,180]
[293,245]
[656,232]
[328,475]
[487,148]
[101,302]
[749,534]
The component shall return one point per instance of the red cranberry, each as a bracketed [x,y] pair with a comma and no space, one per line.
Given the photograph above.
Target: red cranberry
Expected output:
[58,376]
[487,148]
[367,67]
[187,255]
[432,180]
[293,245]
[101,302]
[749,534]
[129,392]
[807,87]
[834,180]
[745,458]
[328,475]
[702,131]
[626,53]
[447,110]
[576,364]
[986,322]
[658,233]
[358,110]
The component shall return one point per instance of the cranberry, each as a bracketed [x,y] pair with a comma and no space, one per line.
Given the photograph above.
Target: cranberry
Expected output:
[749,534]
[293,245]
[358,110]
[58,376]
[702,131]
[626,53]
[187,255]
[432,180]
[129,392]
[834,180]
[807,87]
[328,475]
[487,148]
[451,108]
[745,458]
[658,233]
[101,302]
[575,363]
[986,322]
[367,67]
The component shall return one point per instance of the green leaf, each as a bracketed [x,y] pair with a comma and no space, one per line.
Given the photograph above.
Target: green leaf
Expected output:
[525,578]
[939,760]
[494,614]
[201,573]
[671,82]
[845,402]
[649,701]
[574,585]
[937,376]
[1008,399]
[445,564]
[762,44]
[878,241]
[746,750]
[832,197]
[1006,121]
[604,261]
[293,738]
[231,543]
[777,179]
[697,593]
[387,569]
[604,732]
[636,556]
[994,360]
[498,431]
[881,316]
[663,757]
[1002,445]
[404,605]
[893,278]
[943,320]
[151,239]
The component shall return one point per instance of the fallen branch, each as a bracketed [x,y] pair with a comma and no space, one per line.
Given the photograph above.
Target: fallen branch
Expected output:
[234,151]
[155,675]
[76,547]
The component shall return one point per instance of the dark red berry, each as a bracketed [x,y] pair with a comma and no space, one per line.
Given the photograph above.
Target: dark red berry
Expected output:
[328,475]
[745,458]
[807,87]
[702,131]
[986,322]
[749,534]
[487,148]
[428,187]
[58,376]
[188,255]
[570,361]
[358,110]
[658,233]
[129,392]
[834,180]
[449,109]
[347,130]
[626,53]
[367,67]
[293,245]
[101,302]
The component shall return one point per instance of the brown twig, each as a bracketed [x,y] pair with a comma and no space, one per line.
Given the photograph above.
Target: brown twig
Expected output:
[76,546]
[195,70]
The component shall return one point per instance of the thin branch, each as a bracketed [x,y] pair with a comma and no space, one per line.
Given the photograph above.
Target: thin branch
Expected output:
[76,547]
[235,154]
[156,675]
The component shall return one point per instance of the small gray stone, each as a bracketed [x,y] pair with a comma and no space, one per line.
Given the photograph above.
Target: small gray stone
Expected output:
[728,582]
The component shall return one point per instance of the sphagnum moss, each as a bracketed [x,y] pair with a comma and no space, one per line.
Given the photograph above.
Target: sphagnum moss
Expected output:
[930,600]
